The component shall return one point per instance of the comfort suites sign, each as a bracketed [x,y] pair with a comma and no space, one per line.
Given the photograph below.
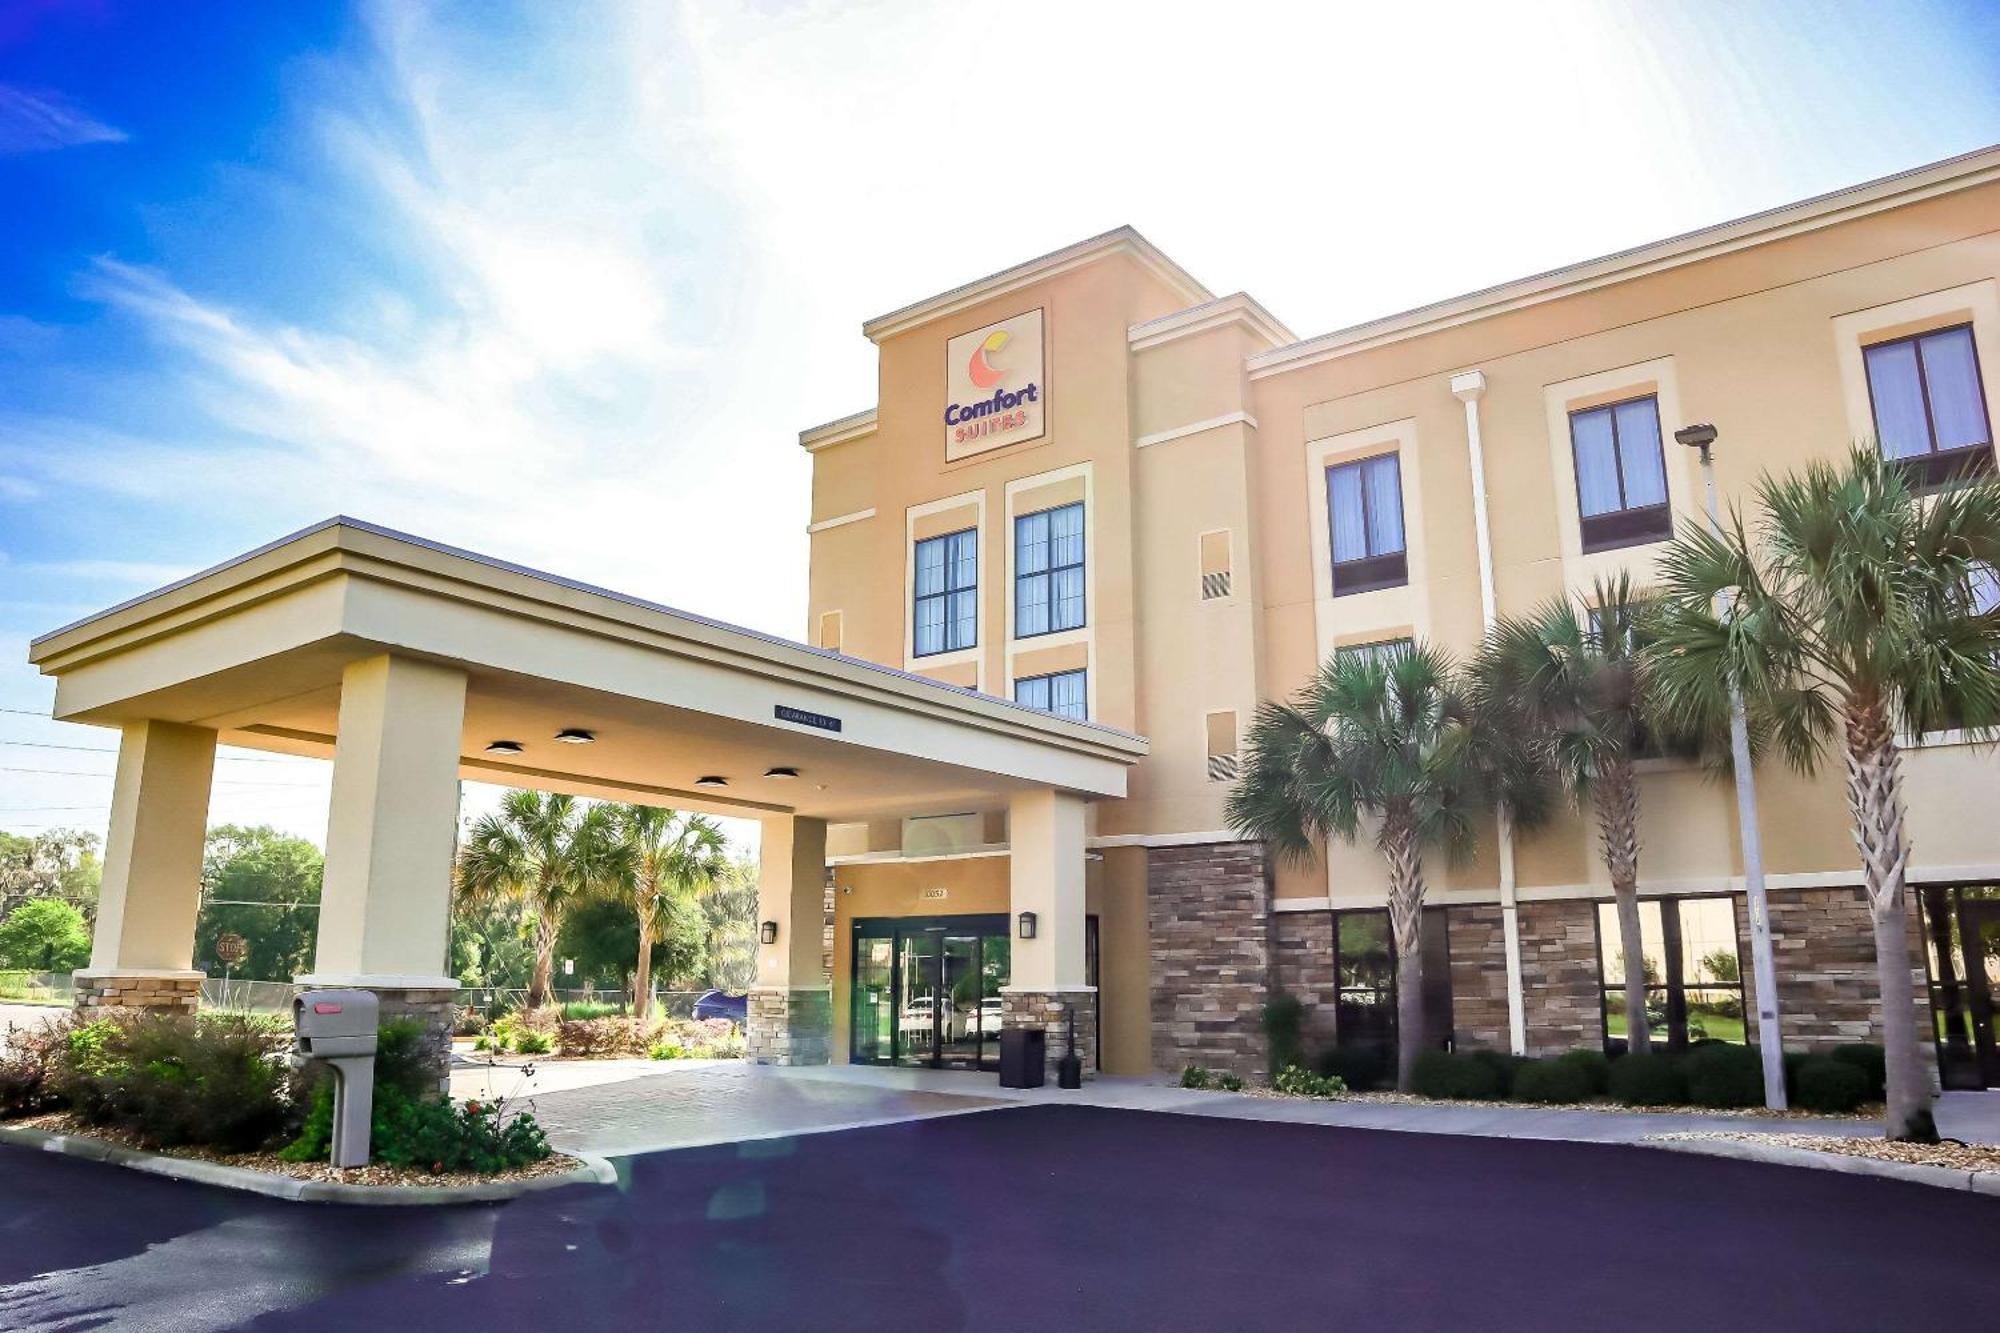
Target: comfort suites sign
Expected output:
[995,392]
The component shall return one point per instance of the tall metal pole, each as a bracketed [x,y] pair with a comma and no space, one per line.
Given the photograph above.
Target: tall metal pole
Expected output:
[1764,966]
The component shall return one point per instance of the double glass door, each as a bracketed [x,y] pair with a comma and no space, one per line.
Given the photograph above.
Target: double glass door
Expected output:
[1962,947]
[927,991]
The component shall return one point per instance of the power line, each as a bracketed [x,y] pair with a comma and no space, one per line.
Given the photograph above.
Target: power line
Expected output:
[112,749]
[221,782]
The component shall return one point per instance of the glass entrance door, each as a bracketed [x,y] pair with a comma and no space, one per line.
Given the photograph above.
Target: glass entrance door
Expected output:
[1980,922]
[918,983]
[926,992]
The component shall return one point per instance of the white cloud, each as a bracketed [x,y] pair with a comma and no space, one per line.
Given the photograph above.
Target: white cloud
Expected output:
[33,122]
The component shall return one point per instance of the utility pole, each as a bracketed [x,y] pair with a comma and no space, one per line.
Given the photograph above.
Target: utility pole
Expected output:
[1763,964]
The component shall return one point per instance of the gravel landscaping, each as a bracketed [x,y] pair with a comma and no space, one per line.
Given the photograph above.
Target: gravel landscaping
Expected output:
[1873,1112]
[1957,1156]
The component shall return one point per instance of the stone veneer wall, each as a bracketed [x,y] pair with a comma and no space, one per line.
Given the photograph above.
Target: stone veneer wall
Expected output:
[98,995]
[1559,999]
[1302,967]
[1046,1010]
[1823,945]
[1478,978]
[789,1027]
[1208,908]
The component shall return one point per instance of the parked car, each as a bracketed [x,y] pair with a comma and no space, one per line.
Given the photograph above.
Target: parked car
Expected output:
[721,1004]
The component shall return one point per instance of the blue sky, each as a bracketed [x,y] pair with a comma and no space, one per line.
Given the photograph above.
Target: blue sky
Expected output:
[562,282]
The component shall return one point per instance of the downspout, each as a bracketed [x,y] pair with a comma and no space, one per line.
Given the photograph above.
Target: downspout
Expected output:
[1467,387]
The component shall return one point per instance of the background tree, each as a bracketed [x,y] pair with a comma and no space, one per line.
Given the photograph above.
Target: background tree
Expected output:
[44,935]
[729,918]
[58,863]
[1376,748]
[1574,687]
[259,865]
[492,943]
[1862,612]
[547,851]
[669,859]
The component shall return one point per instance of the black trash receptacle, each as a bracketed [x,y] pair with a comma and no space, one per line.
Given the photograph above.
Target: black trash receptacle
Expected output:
[1024,1055]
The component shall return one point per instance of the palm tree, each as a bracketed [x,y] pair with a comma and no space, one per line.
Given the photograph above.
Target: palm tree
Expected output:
[1858,615]
[1376,746]
[729,916]
[670,857]
[546,850]
[1575,687]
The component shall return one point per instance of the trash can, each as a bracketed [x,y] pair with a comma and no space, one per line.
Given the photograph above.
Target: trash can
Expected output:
[1024,1055]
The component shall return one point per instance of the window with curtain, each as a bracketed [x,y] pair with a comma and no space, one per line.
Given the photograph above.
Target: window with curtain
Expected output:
[1048,571]
[947,593]
[1621,474]
[1059,692]
[1383,652]
[1929,404]
[1364,502]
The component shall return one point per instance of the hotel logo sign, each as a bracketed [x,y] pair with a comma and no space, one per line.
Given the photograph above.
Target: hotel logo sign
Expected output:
[995,390]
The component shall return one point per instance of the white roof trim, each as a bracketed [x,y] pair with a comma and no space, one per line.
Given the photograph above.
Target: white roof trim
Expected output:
[839,431]
[1826,210]
[1236,308]
[841,521]
[1195,428]
[1119,240]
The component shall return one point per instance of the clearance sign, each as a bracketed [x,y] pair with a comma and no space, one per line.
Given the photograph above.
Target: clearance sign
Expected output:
[994,390]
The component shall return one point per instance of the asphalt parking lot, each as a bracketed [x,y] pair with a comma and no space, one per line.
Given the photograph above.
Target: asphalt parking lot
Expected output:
[1057,1217]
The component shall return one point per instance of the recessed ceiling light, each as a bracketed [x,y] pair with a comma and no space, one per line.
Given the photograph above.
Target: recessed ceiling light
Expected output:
[504,747]
[781,773]
[575,736]
[711,781]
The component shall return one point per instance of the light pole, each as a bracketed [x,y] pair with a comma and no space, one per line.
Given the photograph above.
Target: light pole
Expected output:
[1763,966]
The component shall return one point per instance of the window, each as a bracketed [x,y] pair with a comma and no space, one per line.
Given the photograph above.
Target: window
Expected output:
[1220,729]
[1381,652]
[1621,475]
[1215,566]
[1929,405]
[1364,503]
[1694,976]
[1059,692]
[947,610]
[1364,969]
[1048,571]
[829,630]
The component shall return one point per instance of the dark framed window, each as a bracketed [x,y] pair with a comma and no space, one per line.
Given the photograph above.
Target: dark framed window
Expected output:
[1694,972]
[1364,970]
[1048,571]
[1059,692]
[1929,404]
[1364,512]
[1961,941]
[946,615]
[1621,474]
[1383,651]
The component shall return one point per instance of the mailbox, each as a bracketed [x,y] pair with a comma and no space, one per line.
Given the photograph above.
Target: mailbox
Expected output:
[338,1027]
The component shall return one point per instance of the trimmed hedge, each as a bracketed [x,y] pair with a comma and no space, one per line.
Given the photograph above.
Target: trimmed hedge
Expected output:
[1362,1068]
[1721,1074]
[1463,1077]
[1872,1061]
[1596,1067]
[1552,1082]
[1651,1079]
[1283,1021]
[1831,1085]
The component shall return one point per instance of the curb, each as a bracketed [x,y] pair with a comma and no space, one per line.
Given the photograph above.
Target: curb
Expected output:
[591,1170]
[1938,1177]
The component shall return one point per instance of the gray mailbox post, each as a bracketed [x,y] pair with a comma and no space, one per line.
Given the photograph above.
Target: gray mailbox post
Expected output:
[338,1026]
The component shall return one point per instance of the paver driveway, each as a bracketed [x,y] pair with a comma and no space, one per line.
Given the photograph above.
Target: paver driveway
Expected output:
[1045,1218]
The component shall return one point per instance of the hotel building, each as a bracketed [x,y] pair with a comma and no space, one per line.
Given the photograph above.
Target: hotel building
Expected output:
[1093,487]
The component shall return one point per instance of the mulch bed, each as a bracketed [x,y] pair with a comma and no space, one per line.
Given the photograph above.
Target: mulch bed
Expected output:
[63,1122]
[1957,1156]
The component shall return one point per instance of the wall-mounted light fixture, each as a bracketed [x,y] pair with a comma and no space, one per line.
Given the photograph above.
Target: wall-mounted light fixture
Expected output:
[711,780]
[575,736]
[504,747]
[781,773]
[1026,927]
[768,932]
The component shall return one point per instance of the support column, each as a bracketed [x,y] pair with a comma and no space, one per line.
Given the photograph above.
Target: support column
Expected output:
[791,1006]
[385,906]
[1045,831]
[143,954]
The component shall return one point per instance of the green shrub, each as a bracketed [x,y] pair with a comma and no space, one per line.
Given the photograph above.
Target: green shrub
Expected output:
[429,1134]
[1649,1079]
[597,1038]
[1792,1060]
[1304,1083]
[1551,1082]
[1229,1082]
[216,1080]
[1831,1086]
[1283,1021]
[1456,1076]
[1722,1074]
[30,1057]
[1363,1066]
[668,1050]
[1596,1067]
[533,1043]
[1872,1061]
[584,1010]
[467,1021]
[1500,1062]
[1194,1076]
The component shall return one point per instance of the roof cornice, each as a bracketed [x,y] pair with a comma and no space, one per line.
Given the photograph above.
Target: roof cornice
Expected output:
[854,426]
[1236,308]
[1844,205]
[1119,240]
